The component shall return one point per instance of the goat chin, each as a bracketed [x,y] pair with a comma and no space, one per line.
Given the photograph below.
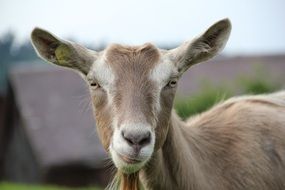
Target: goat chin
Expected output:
[124,166]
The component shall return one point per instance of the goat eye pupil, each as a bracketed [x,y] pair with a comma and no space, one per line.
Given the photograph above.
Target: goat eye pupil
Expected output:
[94,84]
[172,83]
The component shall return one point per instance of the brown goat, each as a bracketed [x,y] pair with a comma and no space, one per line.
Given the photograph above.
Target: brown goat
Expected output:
[236,145]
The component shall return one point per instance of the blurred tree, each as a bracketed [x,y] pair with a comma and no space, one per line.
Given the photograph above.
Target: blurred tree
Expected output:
[11,55]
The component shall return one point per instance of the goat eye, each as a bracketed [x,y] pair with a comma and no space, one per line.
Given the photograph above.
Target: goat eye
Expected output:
[94,85]
[172,83]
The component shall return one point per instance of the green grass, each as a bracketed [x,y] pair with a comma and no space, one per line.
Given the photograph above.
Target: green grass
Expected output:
[258,86]
[210,95]
[201,101]
[258,82]
[13,186]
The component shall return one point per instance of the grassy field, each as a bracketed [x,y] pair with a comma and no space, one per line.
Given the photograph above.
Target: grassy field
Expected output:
[9,186]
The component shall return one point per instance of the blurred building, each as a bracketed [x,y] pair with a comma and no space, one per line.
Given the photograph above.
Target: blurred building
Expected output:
[50,134]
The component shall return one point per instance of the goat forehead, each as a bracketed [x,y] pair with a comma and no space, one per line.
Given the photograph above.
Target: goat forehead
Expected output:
[132,60]
[137,65]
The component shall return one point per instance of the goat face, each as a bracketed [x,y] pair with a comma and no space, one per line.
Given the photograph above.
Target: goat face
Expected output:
[133,93]
[132,88]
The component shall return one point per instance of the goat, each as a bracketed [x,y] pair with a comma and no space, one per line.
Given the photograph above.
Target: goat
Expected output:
[236,145]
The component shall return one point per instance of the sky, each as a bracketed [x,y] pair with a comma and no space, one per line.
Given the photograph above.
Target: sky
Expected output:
[258,25]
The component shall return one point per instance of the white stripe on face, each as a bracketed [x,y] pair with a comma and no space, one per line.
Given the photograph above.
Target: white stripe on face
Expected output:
[102,73]
[163,71]
[161,75]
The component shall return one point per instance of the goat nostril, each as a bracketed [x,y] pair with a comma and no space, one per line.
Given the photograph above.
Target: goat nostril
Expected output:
[127,138]
[145,139]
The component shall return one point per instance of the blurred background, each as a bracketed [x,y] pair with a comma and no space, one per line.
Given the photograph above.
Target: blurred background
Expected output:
[48,136]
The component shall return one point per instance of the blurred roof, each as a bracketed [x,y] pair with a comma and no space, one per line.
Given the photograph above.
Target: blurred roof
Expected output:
[54,105]
[227,72]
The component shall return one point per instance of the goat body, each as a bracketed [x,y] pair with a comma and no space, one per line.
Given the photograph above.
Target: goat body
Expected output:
[236,145]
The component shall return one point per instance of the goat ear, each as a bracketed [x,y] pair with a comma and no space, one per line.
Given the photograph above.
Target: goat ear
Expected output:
[203,47]
[60,52]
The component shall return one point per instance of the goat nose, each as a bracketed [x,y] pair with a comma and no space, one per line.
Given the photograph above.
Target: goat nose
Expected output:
[137,139]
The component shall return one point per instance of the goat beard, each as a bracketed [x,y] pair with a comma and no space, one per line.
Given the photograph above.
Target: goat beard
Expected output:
[123,181]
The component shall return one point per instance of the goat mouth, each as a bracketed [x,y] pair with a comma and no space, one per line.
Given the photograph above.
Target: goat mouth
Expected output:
[129,160]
